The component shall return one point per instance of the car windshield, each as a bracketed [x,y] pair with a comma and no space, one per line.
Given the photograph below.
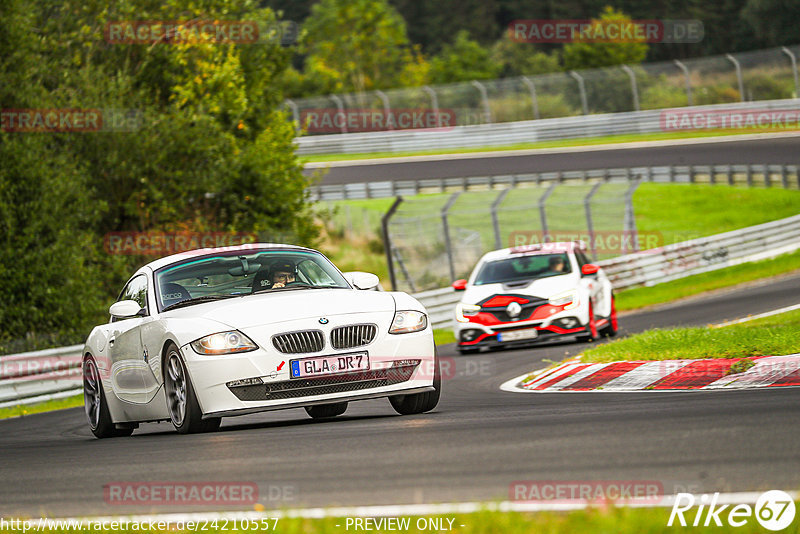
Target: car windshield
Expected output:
[235,274]
[523,268]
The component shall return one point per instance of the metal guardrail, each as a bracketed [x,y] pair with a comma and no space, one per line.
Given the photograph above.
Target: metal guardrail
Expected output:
[785,176]
[509,133]
[663,264]
[41,375]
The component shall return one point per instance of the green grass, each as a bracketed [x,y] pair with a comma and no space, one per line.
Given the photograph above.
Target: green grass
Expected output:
[47,406]
[775,335]
[443,337]
[598,520]
[584,141]
[640,297]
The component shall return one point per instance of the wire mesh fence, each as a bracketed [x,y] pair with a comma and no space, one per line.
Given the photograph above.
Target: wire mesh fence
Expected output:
[749,76]
[436,239]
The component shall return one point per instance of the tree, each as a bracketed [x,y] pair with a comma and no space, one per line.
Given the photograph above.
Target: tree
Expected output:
[588,55]
[517,59]
[359,45]
[463,60]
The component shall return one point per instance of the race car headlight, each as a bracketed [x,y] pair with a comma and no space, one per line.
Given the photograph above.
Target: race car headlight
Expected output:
[466,310]
[570,298]
[224,343]
[408,321]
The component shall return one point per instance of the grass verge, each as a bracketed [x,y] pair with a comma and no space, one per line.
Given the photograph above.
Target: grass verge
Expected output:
[641,297]
[443,337]
[593,520]
[775,335]
[583,141]
[40,407]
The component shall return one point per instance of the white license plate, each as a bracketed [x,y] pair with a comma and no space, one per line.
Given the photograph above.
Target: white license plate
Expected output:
[516,335]
[329,365]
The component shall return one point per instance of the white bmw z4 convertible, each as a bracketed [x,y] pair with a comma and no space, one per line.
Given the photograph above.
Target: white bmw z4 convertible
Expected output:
[211,333]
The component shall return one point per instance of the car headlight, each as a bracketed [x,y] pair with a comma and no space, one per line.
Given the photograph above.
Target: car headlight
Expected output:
[223,343]
[570,298]
[408,321]
[466,310]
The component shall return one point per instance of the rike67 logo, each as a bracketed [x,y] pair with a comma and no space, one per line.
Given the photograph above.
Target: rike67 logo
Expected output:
[774,510]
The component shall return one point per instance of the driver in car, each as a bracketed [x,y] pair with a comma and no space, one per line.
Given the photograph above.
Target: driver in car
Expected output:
[281,274]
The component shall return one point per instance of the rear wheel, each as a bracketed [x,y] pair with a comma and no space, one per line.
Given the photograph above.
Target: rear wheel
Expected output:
[322,411]
[420,402]
[612,327]
[94,402]
[184,410]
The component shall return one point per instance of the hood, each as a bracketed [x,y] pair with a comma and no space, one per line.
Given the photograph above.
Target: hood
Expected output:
[290,305]
[543,288]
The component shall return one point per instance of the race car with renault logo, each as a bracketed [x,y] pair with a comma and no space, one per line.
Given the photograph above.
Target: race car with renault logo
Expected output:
[518,296]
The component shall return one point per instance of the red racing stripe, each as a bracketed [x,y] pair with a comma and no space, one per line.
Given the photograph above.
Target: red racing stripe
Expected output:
[696,375]
[606,374]
[561,377]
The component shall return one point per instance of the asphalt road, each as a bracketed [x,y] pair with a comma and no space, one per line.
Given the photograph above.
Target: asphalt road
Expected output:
[472,447]
[759,151]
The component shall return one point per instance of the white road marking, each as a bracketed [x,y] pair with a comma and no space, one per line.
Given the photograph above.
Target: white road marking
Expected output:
[748,497]
[759,316]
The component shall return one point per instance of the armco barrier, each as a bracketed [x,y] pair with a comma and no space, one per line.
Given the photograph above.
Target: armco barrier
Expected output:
[655,266]
[785,176]
[41,375]
[509,133]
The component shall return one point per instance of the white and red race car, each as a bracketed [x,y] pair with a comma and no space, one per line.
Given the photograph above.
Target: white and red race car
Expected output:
[517,296]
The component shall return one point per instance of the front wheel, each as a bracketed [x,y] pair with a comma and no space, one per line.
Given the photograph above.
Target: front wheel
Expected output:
[94,401]
[184,410]
[420,402]
[591,327]
[611,329]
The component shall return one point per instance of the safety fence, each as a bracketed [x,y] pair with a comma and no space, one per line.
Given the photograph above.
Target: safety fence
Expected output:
[430,240]
[40,375]
[663,264]
[534,108]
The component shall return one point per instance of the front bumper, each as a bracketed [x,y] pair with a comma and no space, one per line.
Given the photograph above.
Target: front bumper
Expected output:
[399,364]
[544,334]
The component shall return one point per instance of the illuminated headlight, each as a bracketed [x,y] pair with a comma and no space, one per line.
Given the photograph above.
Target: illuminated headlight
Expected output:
[224,343]
[466,310]
[570,298]
[408,321]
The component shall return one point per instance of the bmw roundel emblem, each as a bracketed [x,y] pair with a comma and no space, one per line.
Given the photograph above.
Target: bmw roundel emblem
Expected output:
[323,320]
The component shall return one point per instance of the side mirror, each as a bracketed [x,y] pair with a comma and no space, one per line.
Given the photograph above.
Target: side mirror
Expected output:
[589,269]
[460,285]
[125,309]
[362,280]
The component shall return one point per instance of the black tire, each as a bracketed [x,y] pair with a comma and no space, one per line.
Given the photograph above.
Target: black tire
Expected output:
[184,410]
[321,411]
[95,405]
[464,352]
[420,402]
[612,328]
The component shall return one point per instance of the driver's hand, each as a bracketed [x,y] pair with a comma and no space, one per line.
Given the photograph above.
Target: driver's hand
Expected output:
[277,285]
